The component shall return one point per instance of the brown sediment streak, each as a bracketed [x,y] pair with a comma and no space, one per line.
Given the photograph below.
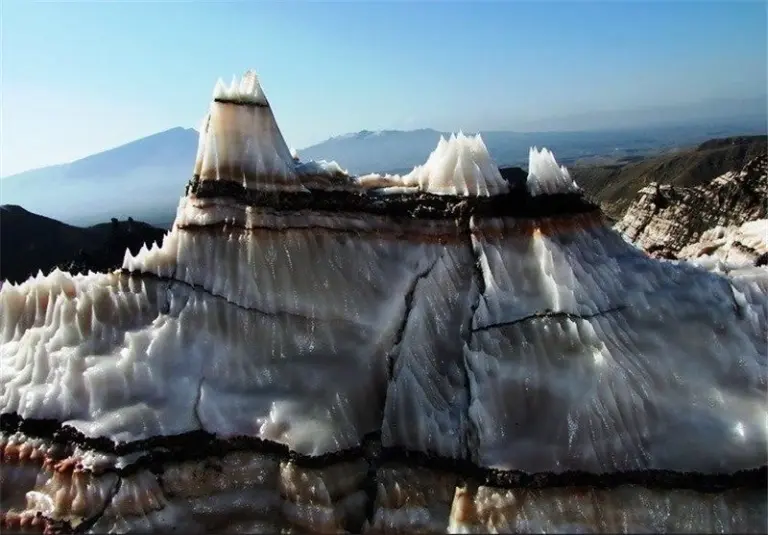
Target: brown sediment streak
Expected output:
[517,203]
[499,228]
[242,174]
[24,453]
[463,509]
[53,458]
[448,237]
[238,102]
[159,452]
[561,225]
[25,522]
[415,231]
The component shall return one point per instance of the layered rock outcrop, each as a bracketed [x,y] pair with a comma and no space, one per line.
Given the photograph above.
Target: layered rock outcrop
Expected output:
[441,351]
[672,222]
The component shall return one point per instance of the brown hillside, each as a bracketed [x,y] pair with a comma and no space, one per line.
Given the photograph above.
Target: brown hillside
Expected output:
[616,186]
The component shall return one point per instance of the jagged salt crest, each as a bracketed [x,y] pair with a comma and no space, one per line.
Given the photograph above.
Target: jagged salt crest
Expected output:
[545,176]
[158,260]
[460,165]
[246,90]
[240,140]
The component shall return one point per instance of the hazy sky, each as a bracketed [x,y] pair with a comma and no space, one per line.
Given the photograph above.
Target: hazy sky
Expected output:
[80,77]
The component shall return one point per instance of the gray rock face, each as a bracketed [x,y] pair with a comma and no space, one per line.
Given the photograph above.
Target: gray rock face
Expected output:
[335,358]
[664,220]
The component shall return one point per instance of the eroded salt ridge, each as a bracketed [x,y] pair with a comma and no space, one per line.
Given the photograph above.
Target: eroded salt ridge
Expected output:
[595,386]
[578,303]
[538,345]
[240,142]
[459,166]
[462,166]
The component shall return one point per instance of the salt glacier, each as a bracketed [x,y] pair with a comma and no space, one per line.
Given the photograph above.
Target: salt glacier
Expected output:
[439,351]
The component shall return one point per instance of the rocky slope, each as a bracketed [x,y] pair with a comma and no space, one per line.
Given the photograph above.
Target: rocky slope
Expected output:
[616,186]
[688,222]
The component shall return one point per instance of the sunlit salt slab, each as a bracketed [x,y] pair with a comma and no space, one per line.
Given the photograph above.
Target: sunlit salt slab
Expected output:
[192,361]
[368,263]
[336,289]
[574,265]
[588,355]
[427,403]
[545,176]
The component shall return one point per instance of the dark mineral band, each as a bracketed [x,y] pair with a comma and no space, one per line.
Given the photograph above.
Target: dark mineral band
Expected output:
[518,203]
[198,445]
[239,102]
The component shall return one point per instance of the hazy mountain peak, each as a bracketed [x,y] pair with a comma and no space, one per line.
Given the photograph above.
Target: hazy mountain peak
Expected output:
[363,134]
[136,179]
[13,208]
[142,178]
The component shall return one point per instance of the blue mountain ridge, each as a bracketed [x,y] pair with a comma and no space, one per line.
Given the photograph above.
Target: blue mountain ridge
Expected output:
[145,178]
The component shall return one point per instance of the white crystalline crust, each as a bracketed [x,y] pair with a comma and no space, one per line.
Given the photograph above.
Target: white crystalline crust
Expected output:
[241,142]
[160,260]
[244,145]
[430,378]
[460,165]
[633,356]
[536,345]
[133,360]
[545,176]
[632,371]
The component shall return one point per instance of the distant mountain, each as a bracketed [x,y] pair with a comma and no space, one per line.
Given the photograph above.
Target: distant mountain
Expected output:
[397,151]
[714,113]
[143,179]
[367,151]
[31,242]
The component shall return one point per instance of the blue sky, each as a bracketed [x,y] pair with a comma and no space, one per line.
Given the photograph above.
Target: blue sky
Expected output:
[80,77]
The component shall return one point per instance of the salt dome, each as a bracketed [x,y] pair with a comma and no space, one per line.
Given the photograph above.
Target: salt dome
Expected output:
[439,351]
